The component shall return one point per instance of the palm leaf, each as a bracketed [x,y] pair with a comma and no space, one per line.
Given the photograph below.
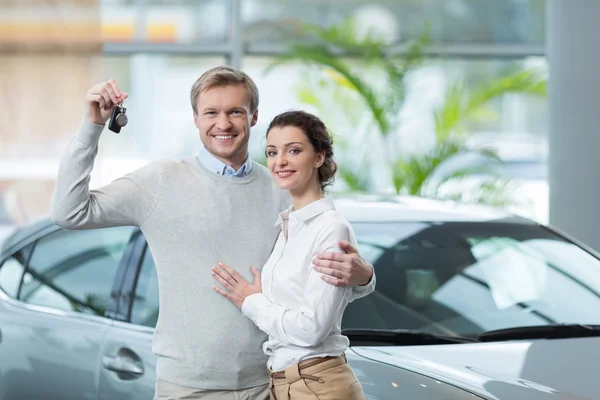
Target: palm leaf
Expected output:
[319,55]
[461,105]
[526,81]
[356,181]
[415,174]
[307,96]
[451,114]
[324,47]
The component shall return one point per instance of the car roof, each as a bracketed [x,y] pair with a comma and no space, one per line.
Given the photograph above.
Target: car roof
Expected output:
[378,208]
[357,208]
[24,234]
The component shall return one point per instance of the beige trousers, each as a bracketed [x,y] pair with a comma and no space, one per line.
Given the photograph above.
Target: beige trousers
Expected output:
[332,379]
[170,391]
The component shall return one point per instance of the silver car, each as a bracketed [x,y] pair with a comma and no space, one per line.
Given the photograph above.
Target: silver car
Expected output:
[470,303]
[6,223]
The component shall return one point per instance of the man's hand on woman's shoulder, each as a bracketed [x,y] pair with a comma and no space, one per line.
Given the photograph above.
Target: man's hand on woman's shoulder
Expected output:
[344,269]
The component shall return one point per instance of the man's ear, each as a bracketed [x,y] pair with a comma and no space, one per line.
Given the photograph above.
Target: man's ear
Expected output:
[196,120]
[254,118]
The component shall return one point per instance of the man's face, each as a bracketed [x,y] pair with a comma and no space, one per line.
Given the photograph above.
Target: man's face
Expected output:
[224,121]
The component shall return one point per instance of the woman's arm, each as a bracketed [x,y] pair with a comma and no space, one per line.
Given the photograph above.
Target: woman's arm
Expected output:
[321,305]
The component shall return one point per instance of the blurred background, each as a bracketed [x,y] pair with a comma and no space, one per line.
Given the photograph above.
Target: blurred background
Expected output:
[436,98]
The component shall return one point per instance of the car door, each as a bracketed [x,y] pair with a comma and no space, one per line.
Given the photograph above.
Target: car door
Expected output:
[128,364]
[53,324]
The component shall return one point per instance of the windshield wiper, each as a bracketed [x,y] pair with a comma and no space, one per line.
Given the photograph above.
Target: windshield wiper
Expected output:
[552,331]
[400,337]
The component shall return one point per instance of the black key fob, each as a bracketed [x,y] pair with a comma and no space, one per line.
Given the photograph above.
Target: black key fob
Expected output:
[118,119]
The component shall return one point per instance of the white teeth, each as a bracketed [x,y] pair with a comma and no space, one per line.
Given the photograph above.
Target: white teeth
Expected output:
[285,173]
[224,137]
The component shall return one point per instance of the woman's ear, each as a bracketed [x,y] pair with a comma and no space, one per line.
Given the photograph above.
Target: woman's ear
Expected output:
[319,159]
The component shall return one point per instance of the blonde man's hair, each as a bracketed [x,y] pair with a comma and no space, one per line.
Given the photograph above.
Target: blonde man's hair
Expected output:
[224,75]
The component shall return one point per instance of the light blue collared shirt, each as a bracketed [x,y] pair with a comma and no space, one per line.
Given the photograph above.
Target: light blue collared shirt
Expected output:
[219,167]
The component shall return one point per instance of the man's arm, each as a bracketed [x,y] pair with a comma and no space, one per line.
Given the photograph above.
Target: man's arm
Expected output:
[127,201]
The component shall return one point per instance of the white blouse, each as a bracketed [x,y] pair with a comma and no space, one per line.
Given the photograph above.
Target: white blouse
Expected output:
[300,312]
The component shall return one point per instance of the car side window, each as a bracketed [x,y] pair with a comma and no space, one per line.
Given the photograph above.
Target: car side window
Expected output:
[75,270]
[145,305]
[11,272]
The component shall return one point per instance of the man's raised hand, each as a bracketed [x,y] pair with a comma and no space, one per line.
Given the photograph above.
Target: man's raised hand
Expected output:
[101,99]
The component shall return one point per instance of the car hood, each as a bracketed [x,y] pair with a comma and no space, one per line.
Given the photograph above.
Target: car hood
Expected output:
[516,370]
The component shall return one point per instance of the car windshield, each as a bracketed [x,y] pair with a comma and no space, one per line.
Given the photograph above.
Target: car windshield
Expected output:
[464,279]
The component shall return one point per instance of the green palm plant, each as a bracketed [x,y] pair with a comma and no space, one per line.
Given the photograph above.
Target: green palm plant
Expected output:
[420,174]
[351,67]
[461,105]
[324,47]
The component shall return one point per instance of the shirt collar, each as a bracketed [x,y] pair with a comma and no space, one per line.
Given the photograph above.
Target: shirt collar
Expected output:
[212,163]
[307,212]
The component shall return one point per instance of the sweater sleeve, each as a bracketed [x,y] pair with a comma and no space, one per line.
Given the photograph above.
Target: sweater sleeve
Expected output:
[129,200]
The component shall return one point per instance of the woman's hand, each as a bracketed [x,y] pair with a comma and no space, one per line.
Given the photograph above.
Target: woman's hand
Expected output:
[236,287]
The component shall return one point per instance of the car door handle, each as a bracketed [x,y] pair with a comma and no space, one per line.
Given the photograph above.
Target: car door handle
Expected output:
[126,362]
[119,364]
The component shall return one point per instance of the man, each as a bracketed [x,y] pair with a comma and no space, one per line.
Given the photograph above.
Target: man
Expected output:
[218,206]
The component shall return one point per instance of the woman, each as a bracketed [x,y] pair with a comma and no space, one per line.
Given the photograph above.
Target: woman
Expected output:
[300,312]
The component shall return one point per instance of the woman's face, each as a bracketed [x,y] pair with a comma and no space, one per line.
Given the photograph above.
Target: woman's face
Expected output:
[291,159]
